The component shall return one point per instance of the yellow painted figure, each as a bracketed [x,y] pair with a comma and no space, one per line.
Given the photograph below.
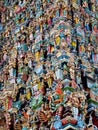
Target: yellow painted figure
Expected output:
[50,81]
[76,20]
[6,104]
[74,44]
[41,28]
[57,40]
[39,85]
[37,55]
[28,94]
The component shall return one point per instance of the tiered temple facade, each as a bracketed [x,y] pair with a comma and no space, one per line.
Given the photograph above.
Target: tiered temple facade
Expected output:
[49,64]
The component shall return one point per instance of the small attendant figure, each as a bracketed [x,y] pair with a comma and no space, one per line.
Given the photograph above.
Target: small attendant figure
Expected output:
[50,81]
[59,73]
[87,26]
[61,11]
[49,21]
[37,55]
[28,94]
[31,36]
[57,12]
[57,40]
[73,84]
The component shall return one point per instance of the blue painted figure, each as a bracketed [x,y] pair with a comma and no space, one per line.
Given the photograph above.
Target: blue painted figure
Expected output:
[57,123]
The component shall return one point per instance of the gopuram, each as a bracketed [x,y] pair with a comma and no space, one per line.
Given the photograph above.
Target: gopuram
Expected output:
[48,64]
